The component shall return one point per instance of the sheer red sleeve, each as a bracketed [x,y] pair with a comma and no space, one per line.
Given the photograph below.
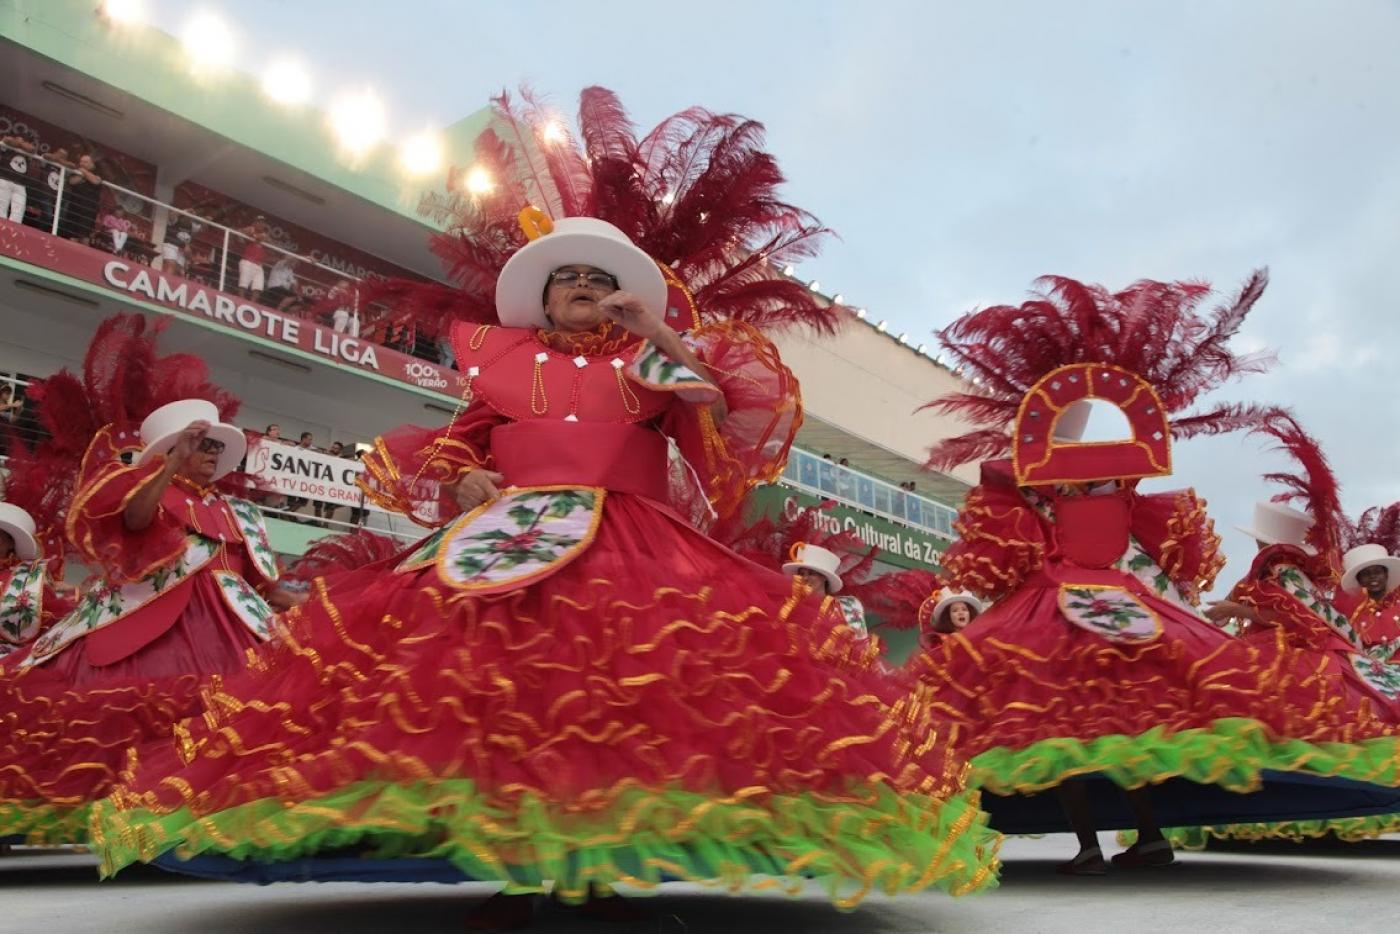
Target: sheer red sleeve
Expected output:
[97,526]
[408,469]
[1000,542]
[1175,531]
[750,444]
[1280,588]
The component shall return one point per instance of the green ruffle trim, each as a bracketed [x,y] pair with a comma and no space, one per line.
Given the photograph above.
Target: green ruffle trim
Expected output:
[1346,829]
[883,841]
[1230,753]
[44,824]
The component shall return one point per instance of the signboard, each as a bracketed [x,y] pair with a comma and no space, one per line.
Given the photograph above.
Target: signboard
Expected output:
[899,545]
[191,298]
[305,473]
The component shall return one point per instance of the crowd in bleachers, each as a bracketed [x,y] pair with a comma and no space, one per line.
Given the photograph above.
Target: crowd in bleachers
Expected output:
[63,193]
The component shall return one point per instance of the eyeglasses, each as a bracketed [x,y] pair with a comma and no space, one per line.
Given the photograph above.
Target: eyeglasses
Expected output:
[569,277]
[210,446]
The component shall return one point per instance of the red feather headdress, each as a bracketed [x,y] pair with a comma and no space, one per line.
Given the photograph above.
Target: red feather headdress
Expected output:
[1153,329]
[337,554]
[698,193]
[123,381]
[1379,525]
[1313,487]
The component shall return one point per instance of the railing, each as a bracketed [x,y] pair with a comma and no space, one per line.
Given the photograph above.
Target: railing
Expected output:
[385,523]
[823,477]
[129,224]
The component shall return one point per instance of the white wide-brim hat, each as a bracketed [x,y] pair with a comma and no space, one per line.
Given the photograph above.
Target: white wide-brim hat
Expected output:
[163,427]
[957,596]
[574,241]
[1367,556]
[20,527]
[1277,524]
[816,558]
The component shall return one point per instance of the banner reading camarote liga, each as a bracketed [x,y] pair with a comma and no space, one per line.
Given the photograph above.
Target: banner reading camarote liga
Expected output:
[191,298]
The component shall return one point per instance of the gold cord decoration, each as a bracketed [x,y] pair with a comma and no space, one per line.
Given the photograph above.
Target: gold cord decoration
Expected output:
[539,402]
[630,402]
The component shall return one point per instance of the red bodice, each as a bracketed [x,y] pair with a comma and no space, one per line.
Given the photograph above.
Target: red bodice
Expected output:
[516,374]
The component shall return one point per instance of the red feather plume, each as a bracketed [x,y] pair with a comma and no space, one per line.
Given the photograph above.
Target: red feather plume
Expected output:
[698,193]
[1379,525]
[1154,329]
[1312,487]
[336,554]
[124,379]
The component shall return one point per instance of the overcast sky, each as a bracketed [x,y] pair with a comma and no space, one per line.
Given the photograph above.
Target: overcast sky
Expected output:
[961,150]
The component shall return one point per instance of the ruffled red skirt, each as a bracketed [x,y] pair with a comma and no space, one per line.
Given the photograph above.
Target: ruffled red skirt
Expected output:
[656,666]
[656,656]
[1023,673]
[70,725]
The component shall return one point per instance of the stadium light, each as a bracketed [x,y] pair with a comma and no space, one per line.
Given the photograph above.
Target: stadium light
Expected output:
[421,154]
[788,270]
[357,119]
[814,285]
[287,82]
[881,326]
[125,12]
[208,41]
[479,181]
[836,299]
[860,313]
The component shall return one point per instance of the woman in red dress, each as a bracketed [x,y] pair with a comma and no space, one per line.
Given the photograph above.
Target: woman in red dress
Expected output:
[1090,669]
[1287,598]
[185,570]
[32,594]
[568,682]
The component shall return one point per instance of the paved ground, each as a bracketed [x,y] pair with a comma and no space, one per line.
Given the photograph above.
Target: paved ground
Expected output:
[1280,889]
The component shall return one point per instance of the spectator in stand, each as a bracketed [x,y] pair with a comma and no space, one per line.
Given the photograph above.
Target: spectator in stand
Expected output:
[11,408]
[296,502]
[845,480]
[282,282]
[46,193]
[346,317]
[11,403]
[82,194]
[273,432]
[116,227]
[175,248]
[398,335]
[251,277]
[17,160]
[358,514]
[327,510]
